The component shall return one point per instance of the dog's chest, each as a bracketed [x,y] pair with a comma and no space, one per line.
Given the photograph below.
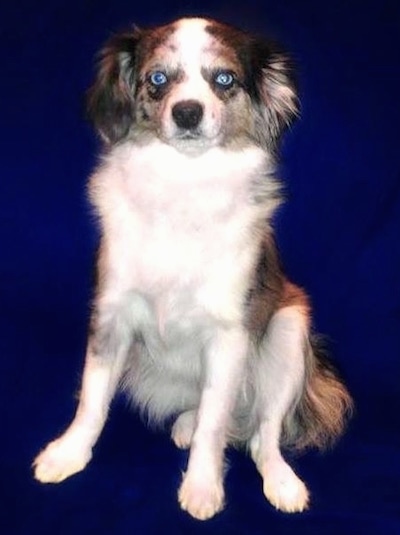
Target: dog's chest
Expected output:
[174,221]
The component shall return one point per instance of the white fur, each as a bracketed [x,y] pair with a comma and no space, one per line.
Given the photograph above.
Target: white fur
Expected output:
[183,429]
[71,452]
[178,214]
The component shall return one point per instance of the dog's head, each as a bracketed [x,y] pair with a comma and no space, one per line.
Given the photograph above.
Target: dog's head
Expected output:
[193,84]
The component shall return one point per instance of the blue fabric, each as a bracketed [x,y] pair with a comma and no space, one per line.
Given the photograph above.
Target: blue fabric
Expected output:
[338,235]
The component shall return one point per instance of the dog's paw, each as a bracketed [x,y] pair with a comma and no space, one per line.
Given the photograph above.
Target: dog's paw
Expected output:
[60,459]
[200,497]
[284,490]
[183,429]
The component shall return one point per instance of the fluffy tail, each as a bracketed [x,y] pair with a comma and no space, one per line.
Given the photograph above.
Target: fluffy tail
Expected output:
[321,414]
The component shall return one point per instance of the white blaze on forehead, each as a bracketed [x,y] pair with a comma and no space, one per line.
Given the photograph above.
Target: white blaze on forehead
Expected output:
[191,41]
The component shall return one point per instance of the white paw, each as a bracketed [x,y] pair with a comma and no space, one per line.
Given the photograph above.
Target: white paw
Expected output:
[183,429]
[284,489]
[200,497]
[60,459]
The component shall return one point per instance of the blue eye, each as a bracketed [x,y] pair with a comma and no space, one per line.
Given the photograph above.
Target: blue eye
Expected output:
[224,79]
[158,78]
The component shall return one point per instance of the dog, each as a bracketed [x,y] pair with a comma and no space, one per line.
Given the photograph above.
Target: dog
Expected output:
[192,315]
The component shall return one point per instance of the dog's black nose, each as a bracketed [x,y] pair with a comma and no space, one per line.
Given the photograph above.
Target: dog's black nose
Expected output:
[187,114]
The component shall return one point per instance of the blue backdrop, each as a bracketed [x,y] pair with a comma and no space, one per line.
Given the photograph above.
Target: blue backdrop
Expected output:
[338,235]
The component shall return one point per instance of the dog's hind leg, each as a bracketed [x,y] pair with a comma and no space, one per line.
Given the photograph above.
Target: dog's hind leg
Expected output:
[279,381]
[106,355]
[183,429]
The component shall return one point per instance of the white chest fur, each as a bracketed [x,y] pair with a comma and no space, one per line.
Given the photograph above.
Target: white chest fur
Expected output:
[172,221]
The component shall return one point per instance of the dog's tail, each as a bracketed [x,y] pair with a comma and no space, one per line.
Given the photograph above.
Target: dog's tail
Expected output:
[320,416]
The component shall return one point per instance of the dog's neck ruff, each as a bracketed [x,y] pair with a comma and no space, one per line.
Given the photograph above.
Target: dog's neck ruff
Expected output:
[168,163]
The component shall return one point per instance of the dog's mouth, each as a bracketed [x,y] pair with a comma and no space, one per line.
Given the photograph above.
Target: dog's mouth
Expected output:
[189,135]
[183,137]
[192,141]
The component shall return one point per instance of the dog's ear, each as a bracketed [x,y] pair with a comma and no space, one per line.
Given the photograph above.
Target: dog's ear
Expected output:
[275,89]
[110,101]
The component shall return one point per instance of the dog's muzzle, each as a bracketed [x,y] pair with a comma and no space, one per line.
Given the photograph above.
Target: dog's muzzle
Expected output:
[187,114]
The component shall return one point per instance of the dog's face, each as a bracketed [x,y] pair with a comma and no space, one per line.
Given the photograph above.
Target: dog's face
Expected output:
[193,84]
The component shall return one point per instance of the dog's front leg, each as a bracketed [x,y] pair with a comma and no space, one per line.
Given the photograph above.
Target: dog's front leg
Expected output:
[201,492]
[105,358]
